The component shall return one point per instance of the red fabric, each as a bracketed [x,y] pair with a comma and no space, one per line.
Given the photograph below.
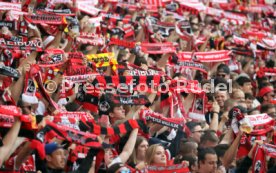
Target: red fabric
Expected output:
[259,160]
[39,147]
[179,168]
[28,165]
[264,91]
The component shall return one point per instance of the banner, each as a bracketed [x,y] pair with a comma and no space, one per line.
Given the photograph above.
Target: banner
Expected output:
[9,71]
[149,72]
[122,43]
[260,120]
[61,12]
[79,78]
[87,7]
[149,115]
[212,56]
[53,56]
[11,25]
[102,59]
[158,48]
[7,114]
[46,19]
[34,45]
[269,149]
[10,6]
[91,41]
[189,64]
[75,55]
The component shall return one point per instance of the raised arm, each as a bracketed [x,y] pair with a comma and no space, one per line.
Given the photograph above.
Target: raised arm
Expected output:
[129,146]
[9,139]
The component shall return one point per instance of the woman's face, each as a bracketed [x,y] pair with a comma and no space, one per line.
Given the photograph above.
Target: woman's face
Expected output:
[159,156]
[142,148]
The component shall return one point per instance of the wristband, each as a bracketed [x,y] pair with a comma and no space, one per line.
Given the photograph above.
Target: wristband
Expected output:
[216,112]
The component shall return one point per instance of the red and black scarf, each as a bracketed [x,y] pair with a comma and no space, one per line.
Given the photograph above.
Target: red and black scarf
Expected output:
[129,99]
[123,128]
[151,82]
[52,130]
[178,168]
[149,115]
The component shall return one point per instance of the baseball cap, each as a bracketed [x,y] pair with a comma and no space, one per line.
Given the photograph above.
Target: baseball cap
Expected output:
[51,147]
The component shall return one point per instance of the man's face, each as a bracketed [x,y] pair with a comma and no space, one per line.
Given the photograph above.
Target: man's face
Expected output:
[247,87]
[118,113]
[28,108]
[196,133]
[269,96]
[239,96]
[249,103]
[221,97]
[224,75]
[209,165]
[57,159]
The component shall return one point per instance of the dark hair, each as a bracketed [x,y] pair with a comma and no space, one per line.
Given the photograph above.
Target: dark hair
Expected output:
[221,149]
[218,81]
[202,152]
[270,63]
[262,81]
[191,125]
[139,61]
[248,96]
[242,80]
[265,107]
[73,106]
[224,68]
[191,159]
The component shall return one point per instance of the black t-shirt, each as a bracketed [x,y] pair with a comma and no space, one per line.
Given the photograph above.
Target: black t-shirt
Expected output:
[49,170]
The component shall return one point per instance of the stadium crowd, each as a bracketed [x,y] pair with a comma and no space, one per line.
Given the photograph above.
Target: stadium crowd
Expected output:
[126,86]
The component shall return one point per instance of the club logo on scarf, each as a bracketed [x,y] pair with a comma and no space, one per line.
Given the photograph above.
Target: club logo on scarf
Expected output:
[40,136]
[258,166]
[199,104]
[104,106]
[130,99]
[31,86]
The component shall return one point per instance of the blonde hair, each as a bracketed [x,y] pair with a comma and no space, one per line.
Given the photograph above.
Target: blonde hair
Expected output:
[151,152]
